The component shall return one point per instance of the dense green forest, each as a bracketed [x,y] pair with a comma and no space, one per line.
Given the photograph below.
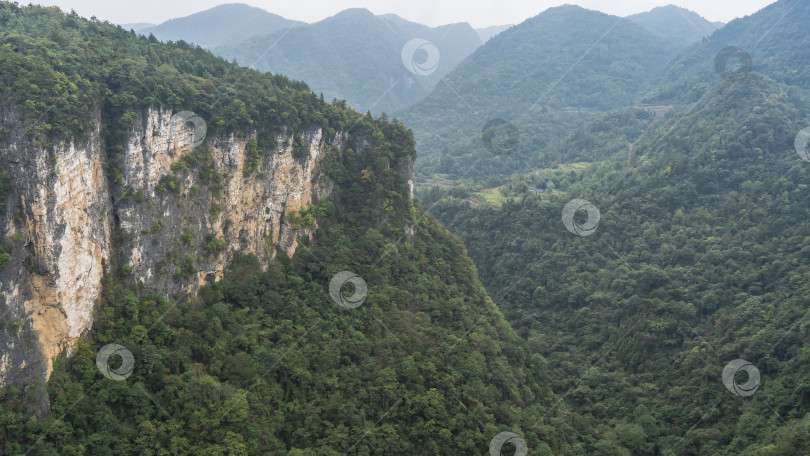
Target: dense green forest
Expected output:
[699,258]
[265,361]
[775,38]
[617,342]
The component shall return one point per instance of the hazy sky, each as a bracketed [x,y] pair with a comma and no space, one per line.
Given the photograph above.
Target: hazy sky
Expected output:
[479,13]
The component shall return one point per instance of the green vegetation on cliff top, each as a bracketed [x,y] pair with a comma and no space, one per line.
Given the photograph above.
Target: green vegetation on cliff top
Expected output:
[265,361]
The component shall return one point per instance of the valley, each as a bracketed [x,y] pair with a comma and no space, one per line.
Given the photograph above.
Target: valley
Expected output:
[233,233]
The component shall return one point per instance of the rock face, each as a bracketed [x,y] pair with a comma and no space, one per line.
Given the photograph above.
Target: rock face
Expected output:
[172,227]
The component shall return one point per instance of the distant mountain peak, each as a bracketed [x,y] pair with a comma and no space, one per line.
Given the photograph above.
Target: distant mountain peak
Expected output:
[569,8]
[670,7]
[353,13]
[226,8]
[234,7]
[231,22]
[568,11]
[675,23]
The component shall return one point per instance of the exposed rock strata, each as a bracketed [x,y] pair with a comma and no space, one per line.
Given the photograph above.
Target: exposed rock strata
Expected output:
[65,223]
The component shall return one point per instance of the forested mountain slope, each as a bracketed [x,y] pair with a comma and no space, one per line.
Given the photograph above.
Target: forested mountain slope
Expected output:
[688,252]
[699,258]
[775,39]
[280,351]
[544,77]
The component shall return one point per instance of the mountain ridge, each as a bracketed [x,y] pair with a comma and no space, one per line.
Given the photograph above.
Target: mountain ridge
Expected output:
[675,23]
[758,36]
[514,77]
[222,24]
[368,67]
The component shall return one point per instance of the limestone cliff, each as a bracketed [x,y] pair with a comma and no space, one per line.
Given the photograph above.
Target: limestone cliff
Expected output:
[169,226]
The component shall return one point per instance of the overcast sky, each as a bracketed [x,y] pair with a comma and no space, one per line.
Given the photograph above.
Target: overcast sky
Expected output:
[479,13]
